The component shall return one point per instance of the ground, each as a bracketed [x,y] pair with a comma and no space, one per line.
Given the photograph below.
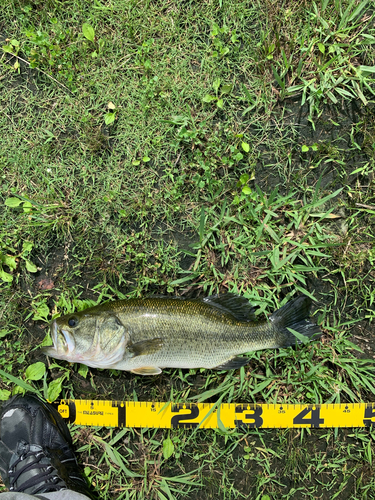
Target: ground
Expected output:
[182,149]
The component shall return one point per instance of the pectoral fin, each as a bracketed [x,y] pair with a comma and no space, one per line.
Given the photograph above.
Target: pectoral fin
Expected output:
[232,364]
[147,370]
[145,347]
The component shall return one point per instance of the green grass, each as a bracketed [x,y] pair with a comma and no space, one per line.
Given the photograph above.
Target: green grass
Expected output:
[188,149]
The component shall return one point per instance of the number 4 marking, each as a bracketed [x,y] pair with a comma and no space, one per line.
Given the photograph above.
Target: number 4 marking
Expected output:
[314,420]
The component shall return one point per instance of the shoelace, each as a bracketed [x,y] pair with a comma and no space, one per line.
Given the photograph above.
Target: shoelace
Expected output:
[49,476]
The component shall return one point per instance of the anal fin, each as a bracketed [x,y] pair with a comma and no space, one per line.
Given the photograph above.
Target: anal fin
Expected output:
[233,363]
[147,370]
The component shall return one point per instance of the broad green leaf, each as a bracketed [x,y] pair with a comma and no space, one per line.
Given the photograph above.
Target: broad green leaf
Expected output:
[8,49]
[46,341]
[30,266]
[109,118]
[246,190]
[220,103]
[226,89]
[321,48]
[13,202]
[209,98]
[168,448]
[54,389]
[4,394]
[304,149]
[215,30]
[10,261]
[8,278]
[35,371]
[216,84]
[27,246]
[244,178]
[27,206]
[87,471]
[83,370]
[245,147]
[88,32]
[41,313]
[146,159]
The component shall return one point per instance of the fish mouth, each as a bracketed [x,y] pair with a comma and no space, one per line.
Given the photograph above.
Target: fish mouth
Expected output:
[69,344]
[61,344]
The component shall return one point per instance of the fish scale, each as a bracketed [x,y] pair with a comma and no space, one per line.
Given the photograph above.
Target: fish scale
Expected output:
[146,335]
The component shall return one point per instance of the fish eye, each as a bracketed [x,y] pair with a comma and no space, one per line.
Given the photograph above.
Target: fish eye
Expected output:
[73,322]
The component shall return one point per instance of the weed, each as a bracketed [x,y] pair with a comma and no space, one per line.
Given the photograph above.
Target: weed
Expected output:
[329,44]
[151,147]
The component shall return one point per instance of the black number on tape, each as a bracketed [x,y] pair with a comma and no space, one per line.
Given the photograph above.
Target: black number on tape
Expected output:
[178,420]
[369,415]
[251,420]
[121,412]
[314,419]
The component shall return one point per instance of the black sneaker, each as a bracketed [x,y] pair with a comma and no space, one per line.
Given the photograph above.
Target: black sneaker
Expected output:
[36,451]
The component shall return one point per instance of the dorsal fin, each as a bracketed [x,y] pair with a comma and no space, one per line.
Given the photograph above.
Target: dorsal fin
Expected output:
[233,304]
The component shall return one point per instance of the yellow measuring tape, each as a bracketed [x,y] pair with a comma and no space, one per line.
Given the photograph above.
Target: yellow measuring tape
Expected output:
[211,416]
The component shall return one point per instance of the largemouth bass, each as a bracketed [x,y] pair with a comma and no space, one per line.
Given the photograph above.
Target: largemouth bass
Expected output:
[145,335]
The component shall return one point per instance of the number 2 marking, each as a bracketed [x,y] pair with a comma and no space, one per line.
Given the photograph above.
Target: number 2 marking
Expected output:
[178,420]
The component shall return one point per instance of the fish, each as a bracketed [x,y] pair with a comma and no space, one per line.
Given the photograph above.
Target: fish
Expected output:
[144,336]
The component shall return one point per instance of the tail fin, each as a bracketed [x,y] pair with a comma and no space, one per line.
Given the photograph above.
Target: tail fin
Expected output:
[295,315]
